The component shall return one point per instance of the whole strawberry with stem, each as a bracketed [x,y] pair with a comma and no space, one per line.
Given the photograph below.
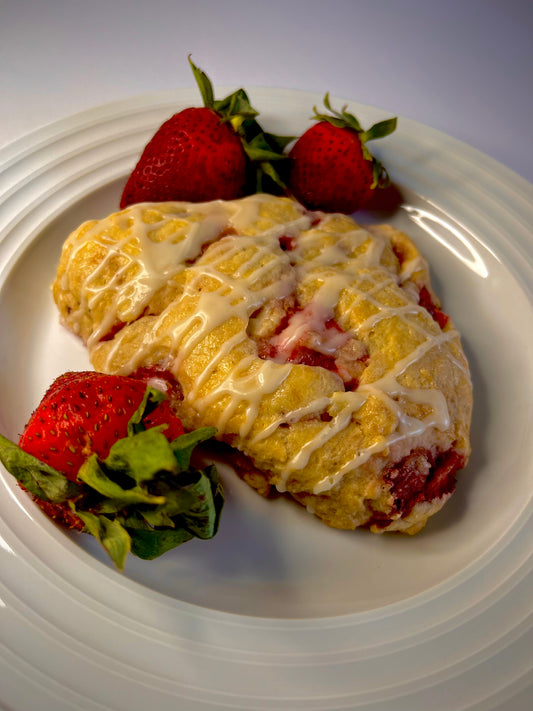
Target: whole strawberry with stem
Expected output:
[330,166]
[217,151]
[107,454]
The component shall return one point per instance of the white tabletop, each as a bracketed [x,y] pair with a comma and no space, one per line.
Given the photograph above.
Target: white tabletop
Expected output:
[464,67]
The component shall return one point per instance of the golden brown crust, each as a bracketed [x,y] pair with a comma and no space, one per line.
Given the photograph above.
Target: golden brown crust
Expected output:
[315,346]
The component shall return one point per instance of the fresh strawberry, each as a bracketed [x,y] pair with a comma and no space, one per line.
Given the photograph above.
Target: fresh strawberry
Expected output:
[84,413]
[330,166]
[106,454]
[206,153]
[193,157]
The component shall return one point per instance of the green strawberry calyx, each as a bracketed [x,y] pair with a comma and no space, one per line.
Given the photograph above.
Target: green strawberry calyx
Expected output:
[381,129]
[263,149]
[145,497]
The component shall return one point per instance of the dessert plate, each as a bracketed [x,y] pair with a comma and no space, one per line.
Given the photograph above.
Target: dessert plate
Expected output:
[278,611]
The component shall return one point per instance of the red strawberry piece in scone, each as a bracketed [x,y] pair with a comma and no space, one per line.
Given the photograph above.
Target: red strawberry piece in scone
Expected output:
[330,166]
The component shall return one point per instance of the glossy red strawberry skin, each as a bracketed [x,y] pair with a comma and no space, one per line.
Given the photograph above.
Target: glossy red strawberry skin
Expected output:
[84,413]
[193,156]
[328,171]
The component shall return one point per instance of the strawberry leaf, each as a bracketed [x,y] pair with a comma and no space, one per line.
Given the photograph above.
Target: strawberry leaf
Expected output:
[264,151]
[158,517]
[184,445]
[150,544]
[204,84]
[202,517]
[380,129]
[235,105]
[344,119]
[266,172]
[278,143]
[38,478]
[177,501]
[181,507]
[110,533]
[380,176]
[259,148]
[115,496]
[340,119]
[141,456]
[152,398]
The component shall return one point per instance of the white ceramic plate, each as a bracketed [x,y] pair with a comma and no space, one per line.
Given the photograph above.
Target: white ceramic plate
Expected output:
[278,612]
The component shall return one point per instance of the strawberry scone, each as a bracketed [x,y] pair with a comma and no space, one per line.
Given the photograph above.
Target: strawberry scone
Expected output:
[314,346]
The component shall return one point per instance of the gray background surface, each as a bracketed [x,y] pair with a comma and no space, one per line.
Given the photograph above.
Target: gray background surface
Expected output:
[464,67]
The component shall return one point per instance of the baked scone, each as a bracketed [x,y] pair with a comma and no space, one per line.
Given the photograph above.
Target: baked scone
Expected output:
[316,347]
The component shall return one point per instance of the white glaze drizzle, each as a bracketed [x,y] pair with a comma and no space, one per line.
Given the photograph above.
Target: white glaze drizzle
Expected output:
[239,293]
[389,390]
[156,262]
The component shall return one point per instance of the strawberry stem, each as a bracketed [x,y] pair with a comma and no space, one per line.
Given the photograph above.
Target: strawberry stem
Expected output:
[381,129]
[204,84]
[261,148]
